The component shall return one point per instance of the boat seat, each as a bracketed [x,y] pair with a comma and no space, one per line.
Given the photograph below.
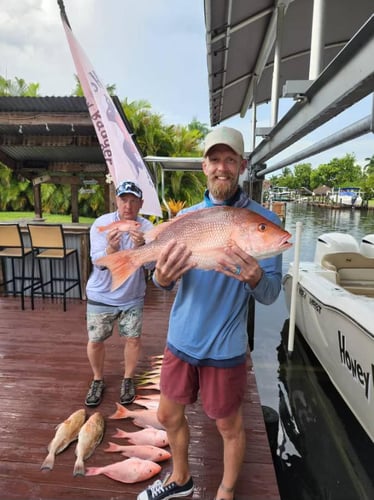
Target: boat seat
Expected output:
[354,271]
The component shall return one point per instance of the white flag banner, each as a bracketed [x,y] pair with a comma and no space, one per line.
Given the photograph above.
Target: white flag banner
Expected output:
[121,154]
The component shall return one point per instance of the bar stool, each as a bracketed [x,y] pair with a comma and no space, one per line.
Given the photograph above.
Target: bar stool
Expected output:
[12,248]
[48,245]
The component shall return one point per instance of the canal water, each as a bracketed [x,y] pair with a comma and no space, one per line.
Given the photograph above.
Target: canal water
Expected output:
[322,453]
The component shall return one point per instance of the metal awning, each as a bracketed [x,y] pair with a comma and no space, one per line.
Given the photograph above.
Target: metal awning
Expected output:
[242,37]
[168,163]
[317,52]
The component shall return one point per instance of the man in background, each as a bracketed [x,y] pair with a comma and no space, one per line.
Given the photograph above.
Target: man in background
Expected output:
[123,305]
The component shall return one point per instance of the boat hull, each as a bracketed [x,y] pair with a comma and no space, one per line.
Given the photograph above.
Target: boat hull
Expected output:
[337,326]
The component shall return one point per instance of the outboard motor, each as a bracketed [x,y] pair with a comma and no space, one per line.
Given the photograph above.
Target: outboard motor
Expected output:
[333,243]
[367,245]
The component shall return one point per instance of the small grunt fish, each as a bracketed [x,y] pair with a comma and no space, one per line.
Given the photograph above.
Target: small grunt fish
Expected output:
[121,225]
[89,438]
[144,451]
[206,233]
[131,470]
[148,435]
[66,433]
[142,418]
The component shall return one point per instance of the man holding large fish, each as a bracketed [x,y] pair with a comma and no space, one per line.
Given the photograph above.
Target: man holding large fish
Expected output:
[221,262]
[109,234]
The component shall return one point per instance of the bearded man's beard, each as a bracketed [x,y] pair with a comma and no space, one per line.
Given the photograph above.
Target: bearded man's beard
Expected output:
[222,190]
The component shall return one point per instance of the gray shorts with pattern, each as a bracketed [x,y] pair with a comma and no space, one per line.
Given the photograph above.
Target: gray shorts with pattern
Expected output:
[101,320]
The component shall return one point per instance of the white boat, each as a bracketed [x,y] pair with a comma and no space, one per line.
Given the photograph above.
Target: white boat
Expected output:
[281,193]
[348,197]
[334,311]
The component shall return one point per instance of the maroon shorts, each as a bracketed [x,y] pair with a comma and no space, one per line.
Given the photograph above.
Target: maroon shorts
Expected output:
[221,389]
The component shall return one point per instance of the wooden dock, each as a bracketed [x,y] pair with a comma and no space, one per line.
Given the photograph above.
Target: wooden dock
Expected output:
[44,377]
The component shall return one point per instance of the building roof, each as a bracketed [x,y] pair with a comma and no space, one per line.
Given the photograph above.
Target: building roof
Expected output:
[51,134]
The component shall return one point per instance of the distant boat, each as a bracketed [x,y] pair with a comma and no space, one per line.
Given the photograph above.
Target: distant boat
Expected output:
[281,193]
[347,196]
[334,313]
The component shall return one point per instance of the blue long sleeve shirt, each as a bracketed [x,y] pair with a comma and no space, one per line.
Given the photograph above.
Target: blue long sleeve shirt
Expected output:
[208,320]
[132,291]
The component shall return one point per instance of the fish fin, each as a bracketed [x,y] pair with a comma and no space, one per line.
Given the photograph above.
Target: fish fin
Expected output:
[155,231]
[120,264]
[48,462]
[113,447]
[121,412]
[79,468]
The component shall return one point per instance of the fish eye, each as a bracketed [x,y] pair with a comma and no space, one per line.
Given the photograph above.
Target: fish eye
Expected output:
[262,227]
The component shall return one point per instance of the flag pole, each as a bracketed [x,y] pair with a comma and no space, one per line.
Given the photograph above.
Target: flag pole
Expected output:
[63,12]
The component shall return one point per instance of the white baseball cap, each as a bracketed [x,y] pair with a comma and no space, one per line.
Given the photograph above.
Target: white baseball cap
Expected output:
[225,135]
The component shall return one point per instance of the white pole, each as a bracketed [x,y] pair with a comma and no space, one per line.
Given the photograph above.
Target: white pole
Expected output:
[295,279]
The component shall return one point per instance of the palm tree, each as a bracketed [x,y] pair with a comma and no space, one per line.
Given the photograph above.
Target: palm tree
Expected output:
[78,90]
[369,167]
[18,87]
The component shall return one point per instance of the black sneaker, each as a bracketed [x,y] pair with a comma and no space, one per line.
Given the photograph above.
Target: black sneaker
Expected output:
[95,393]
[159,491]
[127,391]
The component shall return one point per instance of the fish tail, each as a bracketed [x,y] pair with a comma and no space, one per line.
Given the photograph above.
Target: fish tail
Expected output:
[113,447]
[48,462]
[120,433]
[93,471]
[79,467]
[121,265]
[121,412]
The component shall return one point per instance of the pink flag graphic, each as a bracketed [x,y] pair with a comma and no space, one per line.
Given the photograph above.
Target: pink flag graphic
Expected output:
[121,155]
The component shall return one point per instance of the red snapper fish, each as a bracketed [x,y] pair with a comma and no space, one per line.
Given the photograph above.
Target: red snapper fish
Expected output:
[130,470]
[66,433]
[144,451]
[150,404]
[206,233]
[121,225]
[89,438]
[141,418]
[148,435]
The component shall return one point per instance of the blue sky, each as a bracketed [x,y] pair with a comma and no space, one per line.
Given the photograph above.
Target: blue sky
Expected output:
[150,49]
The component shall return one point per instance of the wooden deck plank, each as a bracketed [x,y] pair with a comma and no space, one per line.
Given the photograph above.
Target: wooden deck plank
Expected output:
[44,377]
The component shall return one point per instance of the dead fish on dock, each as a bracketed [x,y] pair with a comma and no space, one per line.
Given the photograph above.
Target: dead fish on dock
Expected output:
[148,435]
[141,418]
[150,404]
[89,437]
[131,470]
[66,433]
[152,397]
[144,380]
[206,233]
[144,451]
[155,386]
[122,225]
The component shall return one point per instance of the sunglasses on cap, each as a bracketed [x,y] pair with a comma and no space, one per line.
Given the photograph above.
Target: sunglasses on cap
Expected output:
[129,187]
